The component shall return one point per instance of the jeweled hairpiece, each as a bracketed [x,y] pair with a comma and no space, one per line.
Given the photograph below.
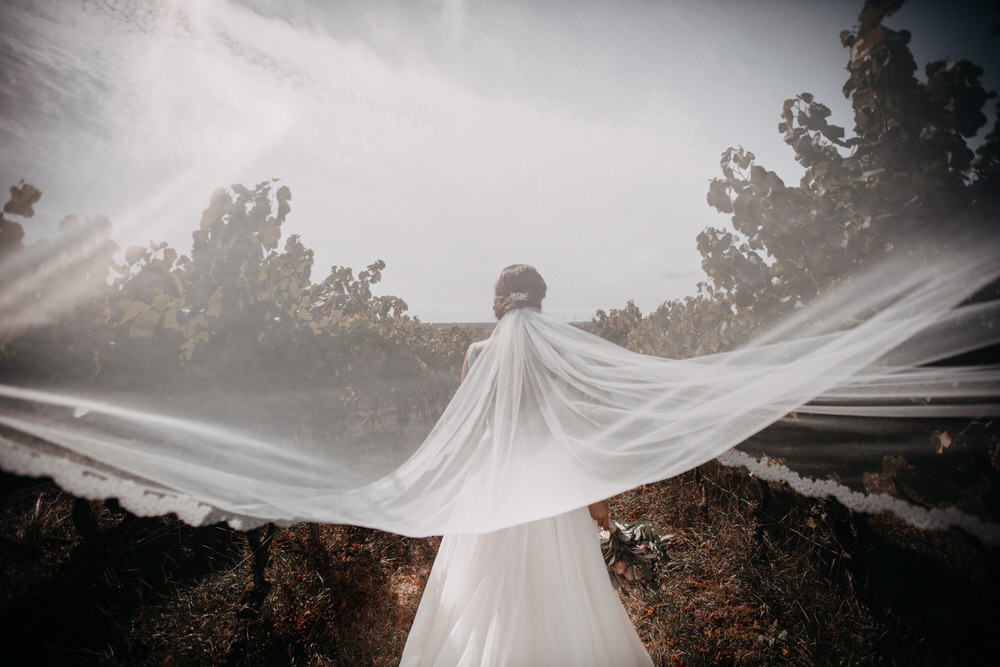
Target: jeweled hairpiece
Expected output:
[518,296]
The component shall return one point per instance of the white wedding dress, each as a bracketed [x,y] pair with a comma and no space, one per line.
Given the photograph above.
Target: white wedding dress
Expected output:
[534,594]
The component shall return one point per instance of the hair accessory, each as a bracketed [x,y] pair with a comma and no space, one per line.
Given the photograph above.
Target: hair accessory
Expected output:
[518,296]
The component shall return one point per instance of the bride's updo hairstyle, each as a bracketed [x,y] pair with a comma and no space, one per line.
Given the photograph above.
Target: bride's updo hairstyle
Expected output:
[519,286]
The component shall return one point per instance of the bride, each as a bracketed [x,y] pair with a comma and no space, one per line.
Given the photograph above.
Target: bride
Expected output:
[533,594]
[549,418]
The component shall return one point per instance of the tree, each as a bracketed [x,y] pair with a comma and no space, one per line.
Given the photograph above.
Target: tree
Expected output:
[236,318]
[618,324]
[906,170]
[22,199]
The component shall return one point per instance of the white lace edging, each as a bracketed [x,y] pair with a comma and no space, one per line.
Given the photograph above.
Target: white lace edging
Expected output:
[918,517]
[93,484]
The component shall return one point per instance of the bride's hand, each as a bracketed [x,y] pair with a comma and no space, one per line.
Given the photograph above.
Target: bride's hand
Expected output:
[599,512]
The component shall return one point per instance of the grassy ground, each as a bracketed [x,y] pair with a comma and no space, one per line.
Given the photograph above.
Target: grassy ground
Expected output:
[755,575]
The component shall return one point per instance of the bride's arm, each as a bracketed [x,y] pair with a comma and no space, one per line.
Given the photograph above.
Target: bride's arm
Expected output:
[472,352]
[599,512]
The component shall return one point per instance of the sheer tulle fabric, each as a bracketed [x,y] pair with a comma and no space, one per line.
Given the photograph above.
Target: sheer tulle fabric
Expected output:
[534,594]
[550,418]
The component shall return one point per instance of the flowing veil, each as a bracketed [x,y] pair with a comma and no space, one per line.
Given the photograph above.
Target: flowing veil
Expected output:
[226,384]
[551,418]
[766,343]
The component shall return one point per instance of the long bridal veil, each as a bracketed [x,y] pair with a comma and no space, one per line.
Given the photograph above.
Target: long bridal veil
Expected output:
[550,418]
[220,380]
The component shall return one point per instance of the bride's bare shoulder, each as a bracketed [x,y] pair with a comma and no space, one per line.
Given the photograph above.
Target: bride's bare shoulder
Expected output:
[471,354]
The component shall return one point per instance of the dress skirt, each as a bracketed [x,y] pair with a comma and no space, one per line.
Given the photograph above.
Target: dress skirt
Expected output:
[534,594]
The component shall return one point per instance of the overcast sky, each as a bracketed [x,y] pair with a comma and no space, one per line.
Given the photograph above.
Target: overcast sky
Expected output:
[447,138]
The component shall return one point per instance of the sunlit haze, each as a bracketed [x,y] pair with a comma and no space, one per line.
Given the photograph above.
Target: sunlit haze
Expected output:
[447,138]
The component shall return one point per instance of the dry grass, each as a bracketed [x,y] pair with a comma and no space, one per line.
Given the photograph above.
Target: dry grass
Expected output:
[759,575]
[755,575]
[733,591]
